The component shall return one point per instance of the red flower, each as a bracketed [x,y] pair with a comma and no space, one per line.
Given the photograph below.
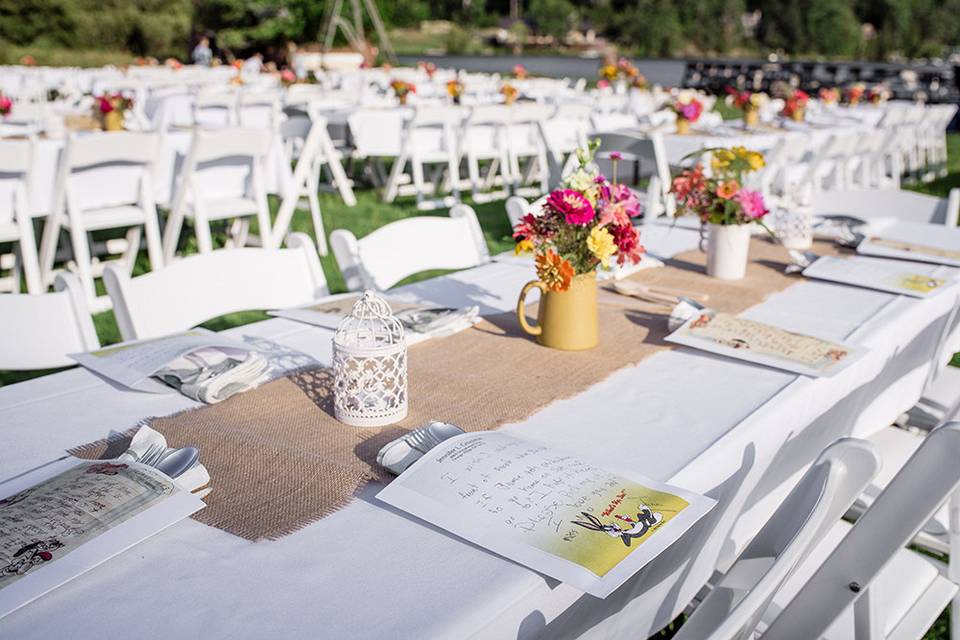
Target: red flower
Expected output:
[628,243]
[104,105]
[572,205]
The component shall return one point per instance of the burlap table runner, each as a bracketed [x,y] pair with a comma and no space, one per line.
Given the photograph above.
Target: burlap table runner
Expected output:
[279,460]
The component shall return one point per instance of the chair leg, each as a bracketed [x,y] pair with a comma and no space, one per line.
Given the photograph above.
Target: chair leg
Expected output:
[240,231]
[317,218]
[81,254]
[28,257]
[393,182]
[151,228]
[48,247]
[201,227]
[416,168]
[129,257]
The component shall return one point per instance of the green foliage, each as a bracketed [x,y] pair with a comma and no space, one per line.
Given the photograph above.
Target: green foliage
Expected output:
[552,17]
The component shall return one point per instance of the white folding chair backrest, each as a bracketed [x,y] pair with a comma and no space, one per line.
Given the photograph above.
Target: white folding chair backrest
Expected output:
[517,207]
[107,169]
[204,286]
[15,161]
[914,495]
[215,108]
[40,330]
[405,247]
[378,132]
[734,607]
[215,156]
[903,205]
[259,110]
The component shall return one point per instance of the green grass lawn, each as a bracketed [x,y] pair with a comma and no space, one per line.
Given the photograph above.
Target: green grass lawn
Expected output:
[371,213]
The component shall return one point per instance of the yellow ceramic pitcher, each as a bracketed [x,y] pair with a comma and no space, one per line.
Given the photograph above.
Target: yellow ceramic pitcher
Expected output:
[567,319]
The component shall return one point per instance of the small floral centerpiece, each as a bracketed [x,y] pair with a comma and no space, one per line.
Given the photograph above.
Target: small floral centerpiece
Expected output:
[6,105]
[27,60]
[632,75]
[855,93]
[402,89]
[878,94]
[173,63]
[795,104]
[724,205]
[586,224]
[829,96]
[688,109]
[111,109]
[288,77]
[455,90]
[428,68]
[520,72]
[750,102]
[609,72]
[509,93]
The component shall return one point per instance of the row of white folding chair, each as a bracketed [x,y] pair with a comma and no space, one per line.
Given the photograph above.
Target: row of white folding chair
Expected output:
[16,223]
[103,182]
[807,576]
[217,108]
[405,247]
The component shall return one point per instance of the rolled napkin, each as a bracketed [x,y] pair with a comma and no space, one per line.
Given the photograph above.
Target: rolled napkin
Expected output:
[436,322]
[214,374]
[398,455]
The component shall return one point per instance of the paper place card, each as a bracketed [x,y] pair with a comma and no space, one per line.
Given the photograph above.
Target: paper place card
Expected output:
[420,321]
[883,275]
[65,518]
[913,241]
[551,511]
[764,344]
[132,363]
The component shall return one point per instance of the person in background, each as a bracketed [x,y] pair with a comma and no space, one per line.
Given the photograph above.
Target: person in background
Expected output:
[252,66]
[202,55]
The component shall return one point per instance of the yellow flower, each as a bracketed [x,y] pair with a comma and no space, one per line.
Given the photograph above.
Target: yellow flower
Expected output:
[601,245]
[554,271]
[722,159]
[755,160]
[524,246]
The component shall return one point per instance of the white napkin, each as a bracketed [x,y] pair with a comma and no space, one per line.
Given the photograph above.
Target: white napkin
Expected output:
[214,374]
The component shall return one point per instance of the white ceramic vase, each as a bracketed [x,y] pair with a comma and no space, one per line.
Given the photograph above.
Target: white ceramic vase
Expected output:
[727,249]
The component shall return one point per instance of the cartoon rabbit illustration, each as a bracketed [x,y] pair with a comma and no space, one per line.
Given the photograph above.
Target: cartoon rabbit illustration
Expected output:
[638,528]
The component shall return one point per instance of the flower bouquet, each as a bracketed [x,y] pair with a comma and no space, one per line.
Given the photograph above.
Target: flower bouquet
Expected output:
[584,225]
[111,109]
[6,106]
[829,96]
[455,90]
[509,93]
[288,77]
[688,109]
[402,89]
[609,72]
[878,94]
[750,102]
[520,72]
[855,93]
[725,207]
[795,104]
[428,68]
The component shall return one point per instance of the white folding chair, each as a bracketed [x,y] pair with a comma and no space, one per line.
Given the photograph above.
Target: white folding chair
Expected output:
[860,582]
[259,110]
[40,330]
[429,139]
[483,139]
[16,224]
[564,132]
[105,181]
[405,247]
[204,286]
[736,603]
[215,108]
[377,134]
[517,207]
[907,206]
[222,178]
[526,144]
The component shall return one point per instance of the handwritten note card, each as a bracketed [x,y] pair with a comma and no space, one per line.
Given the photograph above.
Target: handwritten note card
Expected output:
[546,509]
[761,343]
[892,276]
[74,516]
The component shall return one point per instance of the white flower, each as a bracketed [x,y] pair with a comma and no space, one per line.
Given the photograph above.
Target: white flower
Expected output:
[580,180]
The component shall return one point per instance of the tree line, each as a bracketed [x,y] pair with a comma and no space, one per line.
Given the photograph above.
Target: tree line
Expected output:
[866,29]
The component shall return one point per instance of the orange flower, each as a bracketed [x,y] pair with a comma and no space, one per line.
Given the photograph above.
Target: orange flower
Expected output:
[554,271]
[728,189]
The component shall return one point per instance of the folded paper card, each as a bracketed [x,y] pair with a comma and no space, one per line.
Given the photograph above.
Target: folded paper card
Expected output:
[892,276]
[764,344]
[63,519]
[420,321]
[200,364]
[551,511]
[912,241]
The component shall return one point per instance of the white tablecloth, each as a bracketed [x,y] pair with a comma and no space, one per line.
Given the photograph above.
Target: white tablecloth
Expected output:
[728,429]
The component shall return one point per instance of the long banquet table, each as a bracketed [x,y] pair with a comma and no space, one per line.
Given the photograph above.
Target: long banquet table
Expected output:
[737,432]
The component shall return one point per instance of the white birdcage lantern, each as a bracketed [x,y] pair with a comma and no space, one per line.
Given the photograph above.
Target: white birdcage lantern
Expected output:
[370,365]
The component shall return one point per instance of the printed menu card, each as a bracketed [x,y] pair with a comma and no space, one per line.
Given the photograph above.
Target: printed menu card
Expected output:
[66,517]
[892,276]
[551,511]
[753,341]
[912,241]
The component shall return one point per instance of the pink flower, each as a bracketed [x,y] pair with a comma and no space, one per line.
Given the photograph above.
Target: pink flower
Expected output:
[104,105]
[572,205]
[628,243]
[728,189]
[691,111]
[616,155]
[6,105]
[752,203]
[626,197]
[288,76]
[603,84]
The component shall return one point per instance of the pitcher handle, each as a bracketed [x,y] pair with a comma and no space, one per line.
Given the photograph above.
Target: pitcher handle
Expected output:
[522,307]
